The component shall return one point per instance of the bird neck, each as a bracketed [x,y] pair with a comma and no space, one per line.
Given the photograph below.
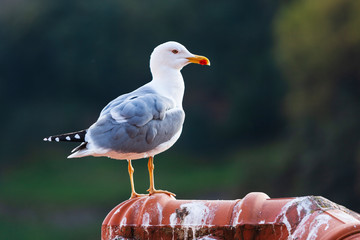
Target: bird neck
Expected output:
[170,83]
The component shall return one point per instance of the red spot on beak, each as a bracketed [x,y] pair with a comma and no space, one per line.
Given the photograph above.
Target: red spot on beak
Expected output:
[203,62]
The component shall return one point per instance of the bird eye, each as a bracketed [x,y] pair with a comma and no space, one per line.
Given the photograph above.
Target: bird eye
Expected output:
[175,51]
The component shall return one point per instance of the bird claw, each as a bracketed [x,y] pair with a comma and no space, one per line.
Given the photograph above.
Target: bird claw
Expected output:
[136,195]
[153,191]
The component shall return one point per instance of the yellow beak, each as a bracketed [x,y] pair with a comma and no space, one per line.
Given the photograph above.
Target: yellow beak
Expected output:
[199,60]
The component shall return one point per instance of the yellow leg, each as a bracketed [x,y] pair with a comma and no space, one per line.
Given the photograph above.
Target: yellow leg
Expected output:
[131,173]
[152,189]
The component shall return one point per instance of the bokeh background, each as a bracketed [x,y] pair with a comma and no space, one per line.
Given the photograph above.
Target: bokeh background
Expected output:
[277,111]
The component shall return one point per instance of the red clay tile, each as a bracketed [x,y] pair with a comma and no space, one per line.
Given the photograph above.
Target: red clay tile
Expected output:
[256,216]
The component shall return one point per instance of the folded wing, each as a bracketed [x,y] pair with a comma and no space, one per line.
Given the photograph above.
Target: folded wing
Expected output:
[134,123]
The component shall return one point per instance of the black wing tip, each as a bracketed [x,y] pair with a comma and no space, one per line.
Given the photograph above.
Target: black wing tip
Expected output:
[78,136]
[80,147]
[50,139]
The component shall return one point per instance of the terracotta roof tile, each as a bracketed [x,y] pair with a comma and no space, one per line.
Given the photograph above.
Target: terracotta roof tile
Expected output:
[256,216]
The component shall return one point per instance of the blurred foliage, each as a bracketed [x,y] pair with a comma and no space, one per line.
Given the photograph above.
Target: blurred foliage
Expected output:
[318,49]
[277,111]
[72,57]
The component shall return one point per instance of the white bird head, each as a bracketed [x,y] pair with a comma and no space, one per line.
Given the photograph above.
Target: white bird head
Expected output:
[173,55]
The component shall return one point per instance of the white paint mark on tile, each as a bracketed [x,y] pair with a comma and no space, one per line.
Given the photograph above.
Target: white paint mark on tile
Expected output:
[160,209]
[145,219]
[320,220]
[237,212]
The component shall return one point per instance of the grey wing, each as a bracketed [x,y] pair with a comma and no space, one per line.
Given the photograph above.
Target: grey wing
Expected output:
[137,124]
[125,97]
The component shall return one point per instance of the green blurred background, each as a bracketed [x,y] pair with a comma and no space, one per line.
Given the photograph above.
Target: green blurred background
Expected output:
[277,111]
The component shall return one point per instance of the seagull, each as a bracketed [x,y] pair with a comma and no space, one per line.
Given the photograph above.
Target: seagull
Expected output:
[144,122]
